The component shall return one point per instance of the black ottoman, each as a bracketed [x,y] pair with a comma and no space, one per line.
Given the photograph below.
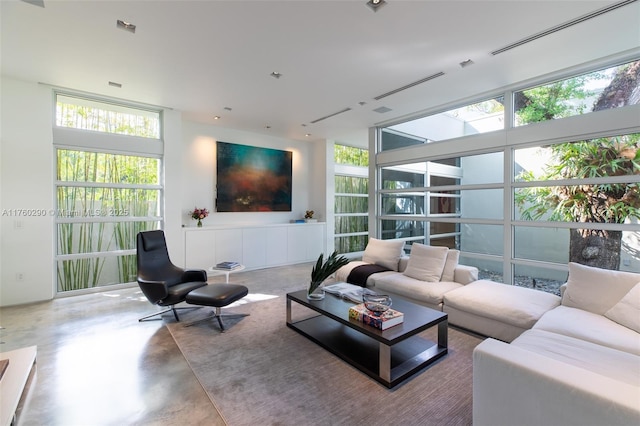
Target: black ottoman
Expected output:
[217,296]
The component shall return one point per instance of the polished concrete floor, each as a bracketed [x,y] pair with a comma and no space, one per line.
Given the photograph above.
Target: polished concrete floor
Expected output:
[97,365]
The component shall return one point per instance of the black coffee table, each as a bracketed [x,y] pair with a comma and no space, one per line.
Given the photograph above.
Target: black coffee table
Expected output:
[388,356]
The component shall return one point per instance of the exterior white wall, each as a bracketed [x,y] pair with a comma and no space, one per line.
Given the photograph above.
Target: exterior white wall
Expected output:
[435,127]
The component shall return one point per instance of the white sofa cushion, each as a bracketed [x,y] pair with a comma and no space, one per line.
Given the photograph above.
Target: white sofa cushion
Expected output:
[450,265]
[427,292]
[627,311]
[591,327]
[596,290]
[464,274]
[510,304]
[618,365]
[385,253]
[426,263]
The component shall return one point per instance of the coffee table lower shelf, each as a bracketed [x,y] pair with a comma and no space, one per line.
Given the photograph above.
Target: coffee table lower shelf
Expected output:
[389,365]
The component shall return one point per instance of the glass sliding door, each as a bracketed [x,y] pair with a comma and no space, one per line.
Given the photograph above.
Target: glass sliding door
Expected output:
[102,201]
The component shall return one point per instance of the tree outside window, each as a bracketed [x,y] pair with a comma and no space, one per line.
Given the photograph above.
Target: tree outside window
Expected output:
[601,158]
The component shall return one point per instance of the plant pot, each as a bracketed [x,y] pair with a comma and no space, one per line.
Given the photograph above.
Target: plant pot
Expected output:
[317,293]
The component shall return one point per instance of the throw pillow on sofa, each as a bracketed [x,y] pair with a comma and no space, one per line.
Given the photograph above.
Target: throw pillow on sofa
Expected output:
[426,263]
[450,265]
[596,290]
[627,311]
[385,253]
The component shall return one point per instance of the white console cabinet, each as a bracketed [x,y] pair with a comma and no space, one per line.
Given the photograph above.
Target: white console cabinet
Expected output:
[255,246]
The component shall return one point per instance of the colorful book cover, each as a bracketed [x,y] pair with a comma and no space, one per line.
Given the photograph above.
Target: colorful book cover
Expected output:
[381,321]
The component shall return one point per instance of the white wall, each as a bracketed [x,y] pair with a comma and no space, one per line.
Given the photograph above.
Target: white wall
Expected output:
[26,183]
[173,171]
[199,176]
[27,177]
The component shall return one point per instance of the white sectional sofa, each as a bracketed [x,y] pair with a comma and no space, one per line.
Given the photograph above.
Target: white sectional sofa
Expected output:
[408,275]
[497,310]
[431,296]
[578,365]
[432,276]
[573,360]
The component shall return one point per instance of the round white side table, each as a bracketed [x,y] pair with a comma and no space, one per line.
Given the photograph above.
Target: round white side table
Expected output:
[226,272]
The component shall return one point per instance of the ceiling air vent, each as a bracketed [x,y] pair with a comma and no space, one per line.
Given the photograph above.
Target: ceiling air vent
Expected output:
[382,109]
[35,2]
[330,115]
[415,83]
[563,26]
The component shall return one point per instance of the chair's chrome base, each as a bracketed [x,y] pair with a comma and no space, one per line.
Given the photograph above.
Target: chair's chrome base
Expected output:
[171,309]
[218,315]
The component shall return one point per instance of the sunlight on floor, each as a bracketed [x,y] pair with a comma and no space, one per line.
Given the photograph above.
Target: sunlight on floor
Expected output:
[92,379]
[252,297]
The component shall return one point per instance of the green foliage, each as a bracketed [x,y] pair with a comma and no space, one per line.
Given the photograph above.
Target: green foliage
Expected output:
[345,206]
[95,203]
[323,270]
[351,243]
[107,119]
[603,203]
[588,159]
[349,155]
[487,107]
[557,100]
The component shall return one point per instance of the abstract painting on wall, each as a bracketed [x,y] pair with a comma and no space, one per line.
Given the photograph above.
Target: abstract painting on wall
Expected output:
[253,179]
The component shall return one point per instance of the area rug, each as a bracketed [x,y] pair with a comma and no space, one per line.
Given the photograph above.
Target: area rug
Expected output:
[262,372]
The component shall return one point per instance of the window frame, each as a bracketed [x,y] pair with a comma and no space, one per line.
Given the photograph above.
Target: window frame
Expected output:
[349,170]
[606,123]
[65,138]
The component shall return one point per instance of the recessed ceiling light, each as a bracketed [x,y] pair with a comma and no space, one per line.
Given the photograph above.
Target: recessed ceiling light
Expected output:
[276,74]
[303,125]
[267,127]
[227,108]
[307,134]
[114,84]
[127,26]
[376,4]
[216,117]
[466,63]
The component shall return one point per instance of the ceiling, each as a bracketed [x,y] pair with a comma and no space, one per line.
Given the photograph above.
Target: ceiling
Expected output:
[200,57]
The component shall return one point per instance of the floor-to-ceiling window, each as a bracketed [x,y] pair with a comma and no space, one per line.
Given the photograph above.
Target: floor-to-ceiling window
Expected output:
[108,186]
[524,182]
[351,209]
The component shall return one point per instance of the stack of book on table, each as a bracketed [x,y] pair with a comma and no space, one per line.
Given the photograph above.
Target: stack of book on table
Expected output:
[228,265]
[382,320]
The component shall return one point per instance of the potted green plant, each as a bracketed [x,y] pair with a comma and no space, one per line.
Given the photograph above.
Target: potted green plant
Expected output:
[323,270]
